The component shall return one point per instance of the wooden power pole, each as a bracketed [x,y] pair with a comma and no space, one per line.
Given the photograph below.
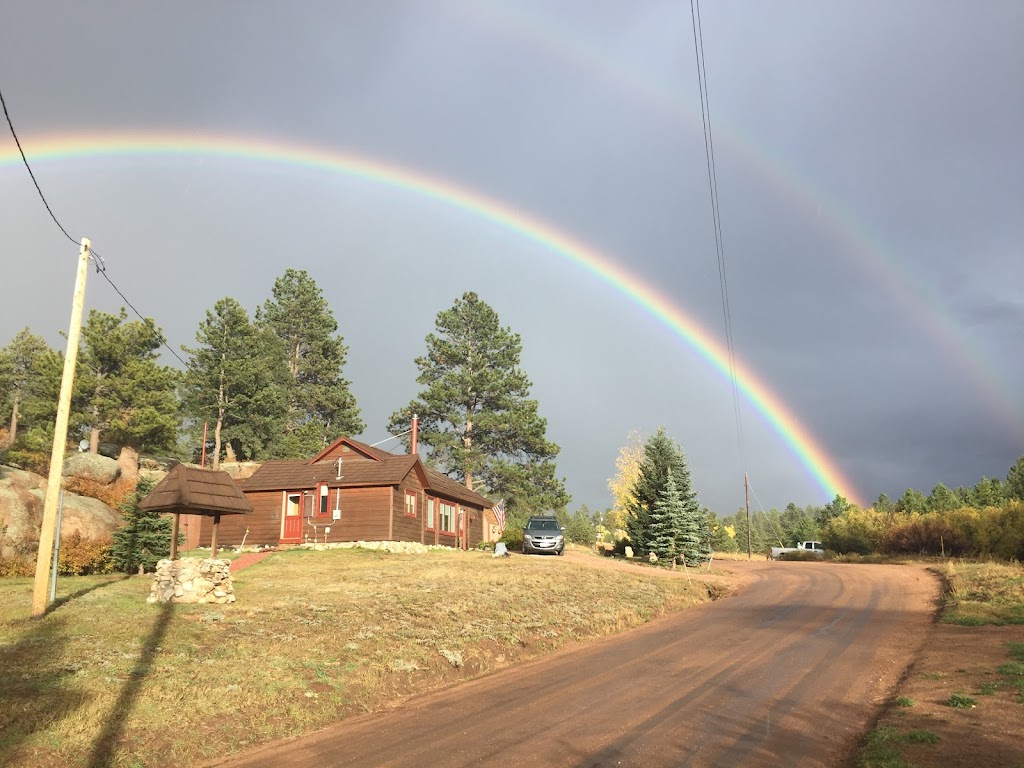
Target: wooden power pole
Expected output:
[746,495]
[60,437]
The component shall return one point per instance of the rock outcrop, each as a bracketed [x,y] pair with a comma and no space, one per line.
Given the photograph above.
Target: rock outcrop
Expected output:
[92,466]
[21,513]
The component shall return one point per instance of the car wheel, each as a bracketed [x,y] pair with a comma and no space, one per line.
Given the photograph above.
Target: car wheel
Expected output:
[561,552]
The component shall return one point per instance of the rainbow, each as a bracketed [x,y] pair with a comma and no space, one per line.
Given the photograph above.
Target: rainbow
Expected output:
[796,437]
[871,255]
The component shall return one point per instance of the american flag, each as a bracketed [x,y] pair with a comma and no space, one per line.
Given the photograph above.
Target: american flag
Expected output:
[499,515]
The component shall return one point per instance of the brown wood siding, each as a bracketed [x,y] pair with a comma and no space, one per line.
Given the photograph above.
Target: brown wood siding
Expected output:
[346,453]
[409,528]
[364,516]
[264,523]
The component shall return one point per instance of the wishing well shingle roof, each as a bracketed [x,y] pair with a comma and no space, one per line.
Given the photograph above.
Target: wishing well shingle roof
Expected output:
[195,491]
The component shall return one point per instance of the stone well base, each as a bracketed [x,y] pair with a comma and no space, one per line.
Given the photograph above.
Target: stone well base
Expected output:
[191,580]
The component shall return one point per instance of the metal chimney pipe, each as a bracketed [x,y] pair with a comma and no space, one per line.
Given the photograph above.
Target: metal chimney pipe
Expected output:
[415,433]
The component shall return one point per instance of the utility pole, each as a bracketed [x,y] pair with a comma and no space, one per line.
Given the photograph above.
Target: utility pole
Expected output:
[746,494]
[60,438]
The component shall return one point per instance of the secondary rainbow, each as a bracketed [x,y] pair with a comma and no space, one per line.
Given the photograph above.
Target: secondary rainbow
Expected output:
[798,439]
[907,289]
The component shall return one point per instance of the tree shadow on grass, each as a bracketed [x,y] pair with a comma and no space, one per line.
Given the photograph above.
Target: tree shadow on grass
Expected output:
[36,682]
[106,745]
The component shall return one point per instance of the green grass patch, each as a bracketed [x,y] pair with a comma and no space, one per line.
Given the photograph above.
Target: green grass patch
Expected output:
[904,701]
[989,689]
[919,737]
[960,701]
[983,593]
[1016,650]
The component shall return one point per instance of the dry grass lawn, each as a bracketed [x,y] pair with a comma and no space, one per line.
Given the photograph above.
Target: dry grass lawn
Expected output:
[107,679]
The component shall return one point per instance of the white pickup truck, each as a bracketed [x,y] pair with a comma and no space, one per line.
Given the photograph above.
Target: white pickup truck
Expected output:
[810,547]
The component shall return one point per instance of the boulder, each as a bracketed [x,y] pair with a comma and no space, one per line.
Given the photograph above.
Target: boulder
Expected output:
[22,496]
[92,466]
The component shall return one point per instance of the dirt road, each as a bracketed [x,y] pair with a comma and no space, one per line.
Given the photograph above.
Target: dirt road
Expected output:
[791,671]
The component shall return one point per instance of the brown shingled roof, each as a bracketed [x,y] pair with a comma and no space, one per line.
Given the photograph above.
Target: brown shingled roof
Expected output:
[389,469]
[194,491]
[294,475]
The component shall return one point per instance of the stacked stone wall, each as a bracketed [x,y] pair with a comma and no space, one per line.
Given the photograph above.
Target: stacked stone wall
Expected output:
[191,580]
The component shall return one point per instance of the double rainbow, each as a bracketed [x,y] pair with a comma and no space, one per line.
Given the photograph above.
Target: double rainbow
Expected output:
[771,408]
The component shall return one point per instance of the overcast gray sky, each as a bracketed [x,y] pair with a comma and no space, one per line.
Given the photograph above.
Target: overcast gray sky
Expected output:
[871,181]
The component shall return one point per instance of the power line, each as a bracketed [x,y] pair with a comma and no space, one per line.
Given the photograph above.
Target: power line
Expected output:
[29,169]
[101,266]
[716,216]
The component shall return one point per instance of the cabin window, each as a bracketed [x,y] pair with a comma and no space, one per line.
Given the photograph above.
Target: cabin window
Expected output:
[446,517]
[431,504]
[323,501]
[410,503]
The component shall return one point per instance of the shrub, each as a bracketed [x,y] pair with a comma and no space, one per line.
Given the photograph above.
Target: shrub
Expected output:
[79,556]
[859,532]
[513,537]
[113,495]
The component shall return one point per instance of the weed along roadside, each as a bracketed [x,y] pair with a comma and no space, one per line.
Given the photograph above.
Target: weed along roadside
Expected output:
[314,637]
[962,702]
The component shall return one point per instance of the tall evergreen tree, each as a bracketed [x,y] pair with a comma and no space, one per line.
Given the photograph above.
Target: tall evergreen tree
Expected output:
[1015,481]
[476,416]
[320,405]
[17,365]
[122,391]
[237,380]
[667,522]
[942,499]
[662,459]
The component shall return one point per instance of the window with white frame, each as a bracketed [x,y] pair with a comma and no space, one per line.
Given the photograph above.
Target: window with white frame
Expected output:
[410,503]
[431,505]
[446,516]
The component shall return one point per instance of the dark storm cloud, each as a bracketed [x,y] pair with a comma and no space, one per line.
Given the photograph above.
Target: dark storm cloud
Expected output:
[843,131]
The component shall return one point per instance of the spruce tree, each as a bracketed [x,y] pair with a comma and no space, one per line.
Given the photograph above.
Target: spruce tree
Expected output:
[475,414]
[667,520]
[320,405]
[144,538]
[663,458]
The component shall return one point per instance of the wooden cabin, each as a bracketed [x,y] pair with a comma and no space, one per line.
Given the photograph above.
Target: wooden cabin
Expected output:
[352,491]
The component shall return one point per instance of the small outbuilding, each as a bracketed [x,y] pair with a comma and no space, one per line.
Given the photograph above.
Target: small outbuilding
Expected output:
[205,493]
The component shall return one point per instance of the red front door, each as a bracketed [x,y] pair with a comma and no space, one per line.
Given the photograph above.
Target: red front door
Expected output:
[291,524]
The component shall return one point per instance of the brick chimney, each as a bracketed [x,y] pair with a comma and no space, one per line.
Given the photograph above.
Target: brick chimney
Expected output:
[415,433]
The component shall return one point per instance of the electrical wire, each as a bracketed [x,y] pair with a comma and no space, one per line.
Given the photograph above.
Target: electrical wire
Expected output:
[716,217]
[97,259]
[30,173]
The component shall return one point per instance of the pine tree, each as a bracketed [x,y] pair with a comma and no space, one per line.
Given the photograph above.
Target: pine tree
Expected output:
[122,392]
[144,538]
[320,405]
[236,380]
[1015,481]
[475,414]
[17,365]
